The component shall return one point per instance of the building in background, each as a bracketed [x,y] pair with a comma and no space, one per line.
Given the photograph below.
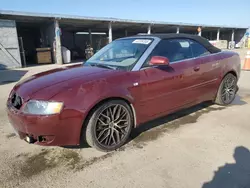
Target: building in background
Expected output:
[32,38]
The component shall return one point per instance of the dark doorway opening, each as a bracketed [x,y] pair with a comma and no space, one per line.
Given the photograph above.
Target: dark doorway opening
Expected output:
[35,42]
[31,39]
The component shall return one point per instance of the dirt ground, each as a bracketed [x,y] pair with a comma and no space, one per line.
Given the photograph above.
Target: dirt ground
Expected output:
[205,146]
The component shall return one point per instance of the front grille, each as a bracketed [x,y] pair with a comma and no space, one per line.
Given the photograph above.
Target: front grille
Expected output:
[16,101]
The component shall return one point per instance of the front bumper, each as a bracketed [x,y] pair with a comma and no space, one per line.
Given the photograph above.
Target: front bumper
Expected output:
[48,130]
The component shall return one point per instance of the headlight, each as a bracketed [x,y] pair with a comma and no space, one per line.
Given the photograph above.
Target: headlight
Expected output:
[42,107]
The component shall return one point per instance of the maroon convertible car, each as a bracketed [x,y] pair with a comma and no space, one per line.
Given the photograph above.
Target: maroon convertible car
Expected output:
[128,82]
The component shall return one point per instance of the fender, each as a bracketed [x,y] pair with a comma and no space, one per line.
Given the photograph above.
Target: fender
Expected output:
[114,93]
[232,63]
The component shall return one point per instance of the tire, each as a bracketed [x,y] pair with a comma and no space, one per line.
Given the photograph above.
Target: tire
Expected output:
[227,90]
[107,124]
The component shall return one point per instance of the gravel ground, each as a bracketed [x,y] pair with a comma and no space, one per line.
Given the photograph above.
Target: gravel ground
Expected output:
[204,146]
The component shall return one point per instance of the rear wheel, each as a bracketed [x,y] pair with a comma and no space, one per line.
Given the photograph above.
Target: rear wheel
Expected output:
[227,90]
[109,125]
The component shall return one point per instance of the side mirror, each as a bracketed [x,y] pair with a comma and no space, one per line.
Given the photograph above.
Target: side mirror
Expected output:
[159,60]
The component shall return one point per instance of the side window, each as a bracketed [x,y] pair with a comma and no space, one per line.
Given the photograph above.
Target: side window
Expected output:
[173,49]
[198,50]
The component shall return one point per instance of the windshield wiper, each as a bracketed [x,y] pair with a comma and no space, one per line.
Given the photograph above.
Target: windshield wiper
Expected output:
[103,66]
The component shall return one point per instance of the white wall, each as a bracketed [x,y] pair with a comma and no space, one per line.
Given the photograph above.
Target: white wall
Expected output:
[9,41]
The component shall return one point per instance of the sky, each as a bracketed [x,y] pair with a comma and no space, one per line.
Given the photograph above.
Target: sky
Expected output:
[214,12]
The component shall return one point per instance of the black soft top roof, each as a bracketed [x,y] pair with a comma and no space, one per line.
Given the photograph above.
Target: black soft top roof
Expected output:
[196,38]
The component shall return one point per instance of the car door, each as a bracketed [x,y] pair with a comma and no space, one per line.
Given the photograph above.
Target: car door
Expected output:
[209,71]
[169,87]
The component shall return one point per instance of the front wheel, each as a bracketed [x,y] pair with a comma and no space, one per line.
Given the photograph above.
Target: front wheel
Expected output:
[227,90]
[109,125]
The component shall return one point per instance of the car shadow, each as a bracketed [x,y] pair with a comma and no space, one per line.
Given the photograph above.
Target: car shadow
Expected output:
[233,175]
[82,145]
[170,118]
[239,100]
[9,75]
[184,116]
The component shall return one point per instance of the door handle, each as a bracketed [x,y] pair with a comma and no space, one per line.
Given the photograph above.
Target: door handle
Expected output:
[196,69]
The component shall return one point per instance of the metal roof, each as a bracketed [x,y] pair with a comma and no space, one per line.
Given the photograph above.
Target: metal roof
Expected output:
[72,17]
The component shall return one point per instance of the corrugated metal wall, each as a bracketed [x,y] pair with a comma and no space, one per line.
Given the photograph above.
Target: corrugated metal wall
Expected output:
[9,47]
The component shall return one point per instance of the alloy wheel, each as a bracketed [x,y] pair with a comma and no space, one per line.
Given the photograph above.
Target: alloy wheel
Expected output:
[112,125]
[229,89]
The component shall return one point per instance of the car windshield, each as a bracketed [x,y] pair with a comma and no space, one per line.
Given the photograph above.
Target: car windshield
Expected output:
[120,54]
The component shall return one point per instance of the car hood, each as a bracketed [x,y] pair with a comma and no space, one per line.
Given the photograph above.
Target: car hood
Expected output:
[29,86]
